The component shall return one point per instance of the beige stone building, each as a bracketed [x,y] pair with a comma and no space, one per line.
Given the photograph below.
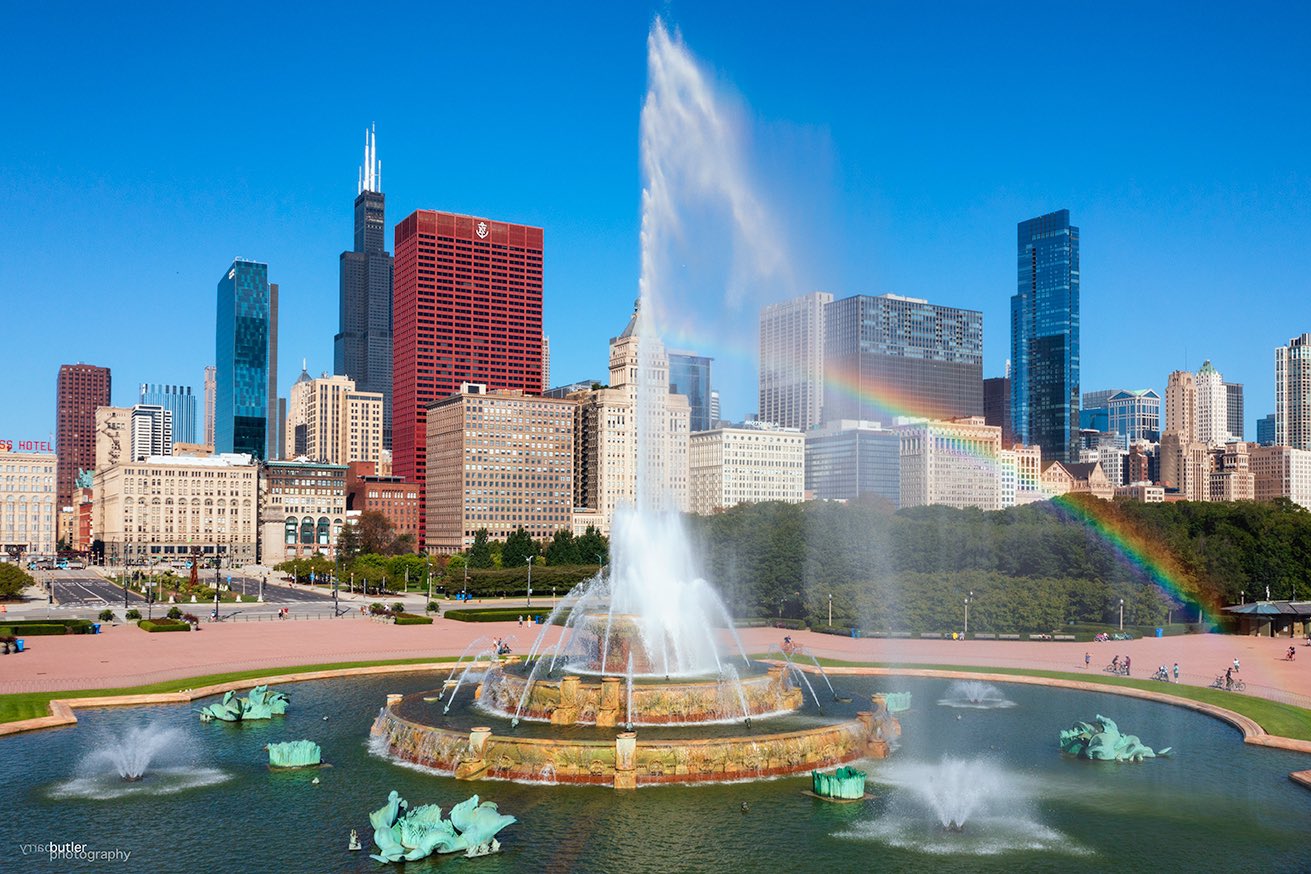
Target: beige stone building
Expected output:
[1229,475]
[28,523]
[302,508]
[113,436]
[497,460]
[167,506]
[1143,493]
[746,464]
[329,421]
[1185,467]
[954,463]
[1281,472]
[606,466]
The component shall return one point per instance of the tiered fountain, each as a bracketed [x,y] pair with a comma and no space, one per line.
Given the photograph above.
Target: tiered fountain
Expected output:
[639,651]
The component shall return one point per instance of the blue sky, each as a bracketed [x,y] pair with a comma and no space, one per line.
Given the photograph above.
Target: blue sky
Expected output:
[144,147]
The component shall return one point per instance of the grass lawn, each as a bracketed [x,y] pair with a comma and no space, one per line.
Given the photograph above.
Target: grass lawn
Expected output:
[29,705]
[1284,720]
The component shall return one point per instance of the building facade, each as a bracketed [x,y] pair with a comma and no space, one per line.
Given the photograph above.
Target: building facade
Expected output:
[1230,476]
[467,307]
[168,506]
[847,460]
[1281,472]
[1293,393]
[362,348]
[28,503]
[179,401]
[211,398]
[497,460]
[951,463]
[328,420]
[246,345]
[302,508]
[1181,405]
[904,354]
[607,463]
[368,491]
[1134,415]
[152,431]
[689,375]
[1234,403]
[113,437]
[1265,430]
[1045,335]
[731,465]
[792,361]
[81,389]
[997,406]
[1212,406]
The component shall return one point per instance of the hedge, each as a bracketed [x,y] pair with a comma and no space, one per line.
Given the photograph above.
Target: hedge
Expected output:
[412,619]
[37,627]
[791,624]
[163,625]
[495,614]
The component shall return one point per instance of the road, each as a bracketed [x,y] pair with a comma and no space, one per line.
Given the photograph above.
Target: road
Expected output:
[86,588]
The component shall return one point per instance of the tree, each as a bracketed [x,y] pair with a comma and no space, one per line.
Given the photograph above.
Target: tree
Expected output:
[348,543]
[480,554]
[375,532]
[592,547]
[518,549]
[563,549]
[13,580]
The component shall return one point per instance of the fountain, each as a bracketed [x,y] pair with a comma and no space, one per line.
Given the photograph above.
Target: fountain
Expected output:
[404,833]
[142,760]
[975,695]
[295,754]
[260,704]
[1101,741]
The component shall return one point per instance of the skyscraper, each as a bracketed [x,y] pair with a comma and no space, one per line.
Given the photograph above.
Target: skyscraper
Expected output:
[1045,336]
[152,431]
[211,389]
[245,349]
[178,400]
[467,307]
[80,389]
[362,348]
[1265,430]
[277,407]
[1234,395]
[330,421]
[1212,406]
[1181,405]
[792,361]
[893,355]
[997,407]
[1293,393]
[689,375]
[1134,415]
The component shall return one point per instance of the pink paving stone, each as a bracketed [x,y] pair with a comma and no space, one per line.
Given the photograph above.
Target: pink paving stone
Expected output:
[125,655]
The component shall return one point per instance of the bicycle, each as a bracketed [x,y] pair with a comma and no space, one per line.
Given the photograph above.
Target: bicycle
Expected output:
[1234,685]
[1161,674]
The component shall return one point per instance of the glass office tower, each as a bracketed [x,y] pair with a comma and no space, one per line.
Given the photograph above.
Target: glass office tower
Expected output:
[243,341]
[1045,336]
[689,375]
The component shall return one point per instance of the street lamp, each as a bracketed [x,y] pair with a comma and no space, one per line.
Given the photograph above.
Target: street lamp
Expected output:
[1122,614]
[830,611]
[530,580]
[1243,596]
[967,612]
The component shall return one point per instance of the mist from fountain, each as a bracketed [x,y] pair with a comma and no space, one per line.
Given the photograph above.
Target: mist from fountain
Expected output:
[143,760]
[975,695]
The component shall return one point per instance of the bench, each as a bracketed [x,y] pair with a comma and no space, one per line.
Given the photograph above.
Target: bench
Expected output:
[930,634]
[1063,637]
[985,635]
[1008,637]
[898,634]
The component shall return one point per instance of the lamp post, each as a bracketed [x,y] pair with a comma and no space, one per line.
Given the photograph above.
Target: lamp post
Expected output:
[530,581]
[1122,614]
[1243,597]
[262,581]
[830,612]
[967,612]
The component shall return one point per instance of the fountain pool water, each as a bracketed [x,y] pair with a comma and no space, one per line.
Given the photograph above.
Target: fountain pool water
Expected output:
[143,759]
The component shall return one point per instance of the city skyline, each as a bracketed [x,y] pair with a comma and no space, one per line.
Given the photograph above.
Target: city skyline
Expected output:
[1159,229]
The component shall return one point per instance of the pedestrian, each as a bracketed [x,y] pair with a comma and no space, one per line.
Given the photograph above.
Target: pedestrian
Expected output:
[1229,678]
[1176,672]
[1126,666]
[1087,660]
[521,620]
[1235,664]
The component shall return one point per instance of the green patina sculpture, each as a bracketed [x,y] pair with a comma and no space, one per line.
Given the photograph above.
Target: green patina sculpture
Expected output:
[261,704]
[1102,741]
[897,702]
[846,783]
[295,754]
[84,479]
[404,833]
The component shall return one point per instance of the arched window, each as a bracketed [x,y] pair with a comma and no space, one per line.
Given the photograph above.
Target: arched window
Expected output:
[307,531]
[289,533]
[323,531]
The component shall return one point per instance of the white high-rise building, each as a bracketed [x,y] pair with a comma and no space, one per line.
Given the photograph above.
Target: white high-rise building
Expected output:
[152,431]
[953,463]
[792,361]
[746,464]
[1212,406]
[1293,393]
[211,387]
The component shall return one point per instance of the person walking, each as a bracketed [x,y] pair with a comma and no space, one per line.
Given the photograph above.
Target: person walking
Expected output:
[1087,660]
[1235,664]
[1176,672]
[1126,666]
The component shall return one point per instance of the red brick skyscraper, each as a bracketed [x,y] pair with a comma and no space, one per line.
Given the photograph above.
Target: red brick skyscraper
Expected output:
[81,388]
[467,307]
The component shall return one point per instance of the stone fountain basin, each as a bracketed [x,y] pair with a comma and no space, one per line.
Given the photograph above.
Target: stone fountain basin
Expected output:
[603,701]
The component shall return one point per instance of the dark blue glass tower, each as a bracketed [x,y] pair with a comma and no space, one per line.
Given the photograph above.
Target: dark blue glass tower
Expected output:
[689,375]
[242,345]
[179,400]
[1045,336]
